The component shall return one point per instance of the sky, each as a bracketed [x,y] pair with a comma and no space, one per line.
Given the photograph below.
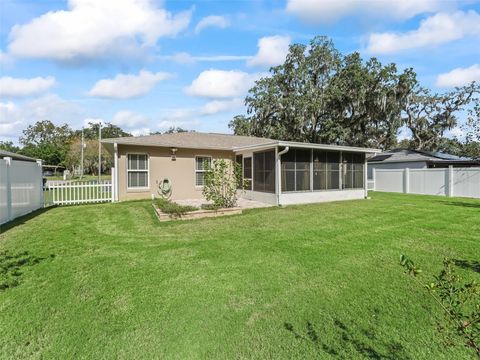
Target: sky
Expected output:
[148,65]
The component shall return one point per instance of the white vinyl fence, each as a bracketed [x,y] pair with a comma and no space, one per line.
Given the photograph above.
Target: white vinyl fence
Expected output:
[21,188]
[463,182]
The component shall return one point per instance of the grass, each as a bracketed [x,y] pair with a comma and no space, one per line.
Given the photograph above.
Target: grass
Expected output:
[318,281]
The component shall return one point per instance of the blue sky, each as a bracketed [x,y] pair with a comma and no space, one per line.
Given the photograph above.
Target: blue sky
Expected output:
[147,65]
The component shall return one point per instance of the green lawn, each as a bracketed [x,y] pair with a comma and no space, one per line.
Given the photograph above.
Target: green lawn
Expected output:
[317,281]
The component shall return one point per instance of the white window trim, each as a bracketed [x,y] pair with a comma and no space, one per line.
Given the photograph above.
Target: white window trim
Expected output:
[250,179]
[200,171]
[147,171]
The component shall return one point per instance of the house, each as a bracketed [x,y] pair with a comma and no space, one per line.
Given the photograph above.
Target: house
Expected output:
[416,159]
[14,156]
[278,172]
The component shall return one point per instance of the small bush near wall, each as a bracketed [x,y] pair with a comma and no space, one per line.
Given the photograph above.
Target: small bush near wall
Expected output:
[170,207]
[222,179]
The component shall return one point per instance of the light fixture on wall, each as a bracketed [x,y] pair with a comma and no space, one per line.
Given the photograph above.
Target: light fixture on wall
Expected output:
[174,153]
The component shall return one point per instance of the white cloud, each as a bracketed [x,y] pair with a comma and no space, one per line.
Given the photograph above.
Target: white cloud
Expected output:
[212,21]
[18,87]
[129,119]
[218,106]
[318,11]
[15,117]
[128,86]
[140,131]
[459,76]
[222,84]
[435,30]
[272,51]
[93,28]
[5,59]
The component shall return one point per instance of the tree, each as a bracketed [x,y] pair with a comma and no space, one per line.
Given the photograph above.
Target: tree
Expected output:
[8,146]
[44,140]
[472,126]
[429,115]
[108,131]
[90,157]
[319,95]
[367,100]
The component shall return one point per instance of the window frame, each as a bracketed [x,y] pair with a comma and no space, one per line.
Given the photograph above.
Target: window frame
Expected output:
[200,171]
[249,179]
[140,188]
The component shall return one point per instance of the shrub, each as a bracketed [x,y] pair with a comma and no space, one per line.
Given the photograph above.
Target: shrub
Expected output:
[210,207]
[457,300]
[170,207]
[222,179]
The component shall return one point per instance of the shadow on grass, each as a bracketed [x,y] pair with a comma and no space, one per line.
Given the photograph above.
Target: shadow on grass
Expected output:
[12,265]
[462,204]
[468,264]
[23,219]
[346,340]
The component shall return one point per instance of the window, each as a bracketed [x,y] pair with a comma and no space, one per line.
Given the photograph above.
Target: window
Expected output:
[137,171]
[353,165]
[296,170]
[247,173]
[200,162]
[326,170]
[264,171]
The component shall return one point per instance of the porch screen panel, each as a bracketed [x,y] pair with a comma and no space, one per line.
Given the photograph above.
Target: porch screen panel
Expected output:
[353,176]
[264,171]
[326,170]
[296,170]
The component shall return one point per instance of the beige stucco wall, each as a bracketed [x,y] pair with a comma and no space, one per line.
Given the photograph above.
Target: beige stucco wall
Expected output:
[181,172]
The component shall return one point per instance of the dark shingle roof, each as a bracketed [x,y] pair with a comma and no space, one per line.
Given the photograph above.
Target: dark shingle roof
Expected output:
[406,155]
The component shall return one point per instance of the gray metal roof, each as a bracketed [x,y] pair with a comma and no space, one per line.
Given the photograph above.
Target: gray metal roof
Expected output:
[198,140]
[406,155]
[15,156]
[191,140]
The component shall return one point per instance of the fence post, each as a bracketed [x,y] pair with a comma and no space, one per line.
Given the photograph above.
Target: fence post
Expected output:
[449,181]
[8,161]
[42,196]
[406,180]
[113,188]
[374,177]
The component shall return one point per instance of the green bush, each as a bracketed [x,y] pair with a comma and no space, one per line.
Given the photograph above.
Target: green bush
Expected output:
[210,207]
[170,207]
[222,179]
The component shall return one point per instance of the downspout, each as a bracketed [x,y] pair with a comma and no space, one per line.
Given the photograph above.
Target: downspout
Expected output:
[279,172]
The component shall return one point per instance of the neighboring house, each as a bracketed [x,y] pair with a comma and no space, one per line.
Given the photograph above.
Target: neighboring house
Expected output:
[279,172]
[416,159]
[15,156]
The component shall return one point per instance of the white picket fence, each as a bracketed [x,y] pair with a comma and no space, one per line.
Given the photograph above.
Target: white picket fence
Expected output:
[463,182]
[73,192]
[79,192]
